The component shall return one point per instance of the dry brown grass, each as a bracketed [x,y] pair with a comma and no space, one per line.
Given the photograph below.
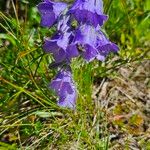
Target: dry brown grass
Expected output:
[126,99]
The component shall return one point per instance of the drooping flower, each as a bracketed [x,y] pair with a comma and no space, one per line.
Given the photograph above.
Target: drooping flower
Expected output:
[94,43]
[60,45]
[85,36]
[104,46]
[64,87]
[89,12]
[64,45]
[50,11]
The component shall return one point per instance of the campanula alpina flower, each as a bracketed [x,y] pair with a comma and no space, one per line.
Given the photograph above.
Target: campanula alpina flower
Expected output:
[50,11]
[60,45]
[93,42]
[85,39]
[64,87]
[104,46]
[89,12]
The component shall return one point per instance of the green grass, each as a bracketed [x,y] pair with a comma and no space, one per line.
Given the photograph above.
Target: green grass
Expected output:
[29,116]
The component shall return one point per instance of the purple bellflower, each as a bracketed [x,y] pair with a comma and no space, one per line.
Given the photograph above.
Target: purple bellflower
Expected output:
[89,12]
[104,46]
[60,45]
[64,87]
[86,40]
[94,43]
[50,11]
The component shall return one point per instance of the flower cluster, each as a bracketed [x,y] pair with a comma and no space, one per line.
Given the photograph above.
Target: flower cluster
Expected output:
[85,39]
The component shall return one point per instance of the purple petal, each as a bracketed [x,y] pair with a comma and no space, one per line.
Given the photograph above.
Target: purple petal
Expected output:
[94,43]
[47,14]
[89,12]
[64,24]
[104,46]
[63,41]
[114,47]
[68,101]
[72,51]
[86,37]
[55,85]
[90,53]
[60,44]
[85,34]
[57,46]
[58,7]
[50,11]
[64,87]
[58,85]
[59,55]
[50,46]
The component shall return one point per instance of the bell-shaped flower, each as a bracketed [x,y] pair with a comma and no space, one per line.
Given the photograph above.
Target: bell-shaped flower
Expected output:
[89,12]
[85,38]
[50,11]
[104,46]
[93,43]
[64,87]
[61,45]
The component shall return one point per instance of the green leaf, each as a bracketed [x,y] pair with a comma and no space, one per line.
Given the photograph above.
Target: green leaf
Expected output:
[44,114]
[7,37]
